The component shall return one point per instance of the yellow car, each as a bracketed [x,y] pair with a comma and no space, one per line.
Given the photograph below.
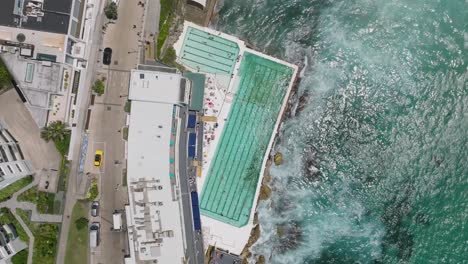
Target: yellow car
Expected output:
[98,158]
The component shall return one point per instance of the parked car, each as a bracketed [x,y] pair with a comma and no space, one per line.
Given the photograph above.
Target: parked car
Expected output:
[94,234]
[98,158]
[94,208]
[107,56]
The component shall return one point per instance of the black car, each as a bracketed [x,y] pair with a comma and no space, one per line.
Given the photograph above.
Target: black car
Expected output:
[107,56]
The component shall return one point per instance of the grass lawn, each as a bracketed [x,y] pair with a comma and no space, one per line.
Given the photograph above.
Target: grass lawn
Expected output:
[14,187]
[77,244]
[45,239]
[165,20]
[62,147]
[44,201]
[20,257]
[64,171]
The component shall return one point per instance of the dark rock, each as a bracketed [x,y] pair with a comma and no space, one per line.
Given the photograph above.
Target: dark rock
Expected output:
[290,236]
[303,100]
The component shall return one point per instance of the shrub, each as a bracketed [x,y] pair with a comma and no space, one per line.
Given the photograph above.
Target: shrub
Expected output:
[98,87]
[125,133]
[93,191]
[128,106]
[111,11]
[81,223]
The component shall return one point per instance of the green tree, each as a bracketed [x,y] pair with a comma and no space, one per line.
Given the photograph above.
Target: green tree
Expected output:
[55,131]
[98,87]
[111,11]
[81,223]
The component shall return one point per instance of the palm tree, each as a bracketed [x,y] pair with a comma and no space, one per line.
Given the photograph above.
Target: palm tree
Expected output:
[55,131]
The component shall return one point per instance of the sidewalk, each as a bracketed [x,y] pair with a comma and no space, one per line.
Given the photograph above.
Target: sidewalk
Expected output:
[93,36]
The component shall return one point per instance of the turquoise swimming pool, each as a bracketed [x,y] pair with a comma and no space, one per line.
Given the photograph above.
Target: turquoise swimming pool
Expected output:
[229,190]
[208,53]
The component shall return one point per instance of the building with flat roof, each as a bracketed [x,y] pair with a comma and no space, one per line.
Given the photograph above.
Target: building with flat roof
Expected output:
[13,166]
[44,45]
[155,224]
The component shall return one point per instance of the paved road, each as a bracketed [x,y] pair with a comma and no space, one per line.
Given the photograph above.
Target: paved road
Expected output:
[108,119]
[106,125]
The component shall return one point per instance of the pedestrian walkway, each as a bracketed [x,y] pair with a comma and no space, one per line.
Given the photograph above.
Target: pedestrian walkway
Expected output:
[13,204]
[30,235]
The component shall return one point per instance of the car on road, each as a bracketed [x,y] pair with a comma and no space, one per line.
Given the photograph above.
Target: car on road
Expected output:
[98,158]
[107,56]
[94,209]
[94,234]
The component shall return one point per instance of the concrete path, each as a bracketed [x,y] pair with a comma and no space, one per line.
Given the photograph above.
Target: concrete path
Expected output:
[30,235]
[35,216]
[13,204]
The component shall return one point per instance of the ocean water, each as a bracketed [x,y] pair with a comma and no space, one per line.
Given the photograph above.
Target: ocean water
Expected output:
[376,159]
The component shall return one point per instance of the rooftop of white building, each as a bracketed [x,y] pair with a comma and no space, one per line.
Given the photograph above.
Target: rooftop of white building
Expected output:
[155,227]
[157,87]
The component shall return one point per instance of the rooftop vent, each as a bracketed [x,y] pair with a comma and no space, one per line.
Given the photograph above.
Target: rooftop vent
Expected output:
[34,8]
[142,75]
[20,37]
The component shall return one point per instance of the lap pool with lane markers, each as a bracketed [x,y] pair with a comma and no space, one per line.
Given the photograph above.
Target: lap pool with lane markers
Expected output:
[209,53]
[229,190]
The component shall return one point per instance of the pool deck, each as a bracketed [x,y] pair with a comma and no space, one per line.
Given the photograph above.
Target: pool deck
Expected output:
[220,91]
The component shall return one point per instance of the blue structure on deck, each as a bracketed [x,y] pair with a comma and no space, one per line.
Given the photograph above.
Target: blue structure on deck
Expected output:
[196,212]
[192,121]
[191,152]
[192,139]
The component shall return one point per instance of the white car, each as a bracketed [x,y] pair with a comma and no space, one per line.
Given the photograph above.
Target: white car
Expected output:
[94,209]
[94,234]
